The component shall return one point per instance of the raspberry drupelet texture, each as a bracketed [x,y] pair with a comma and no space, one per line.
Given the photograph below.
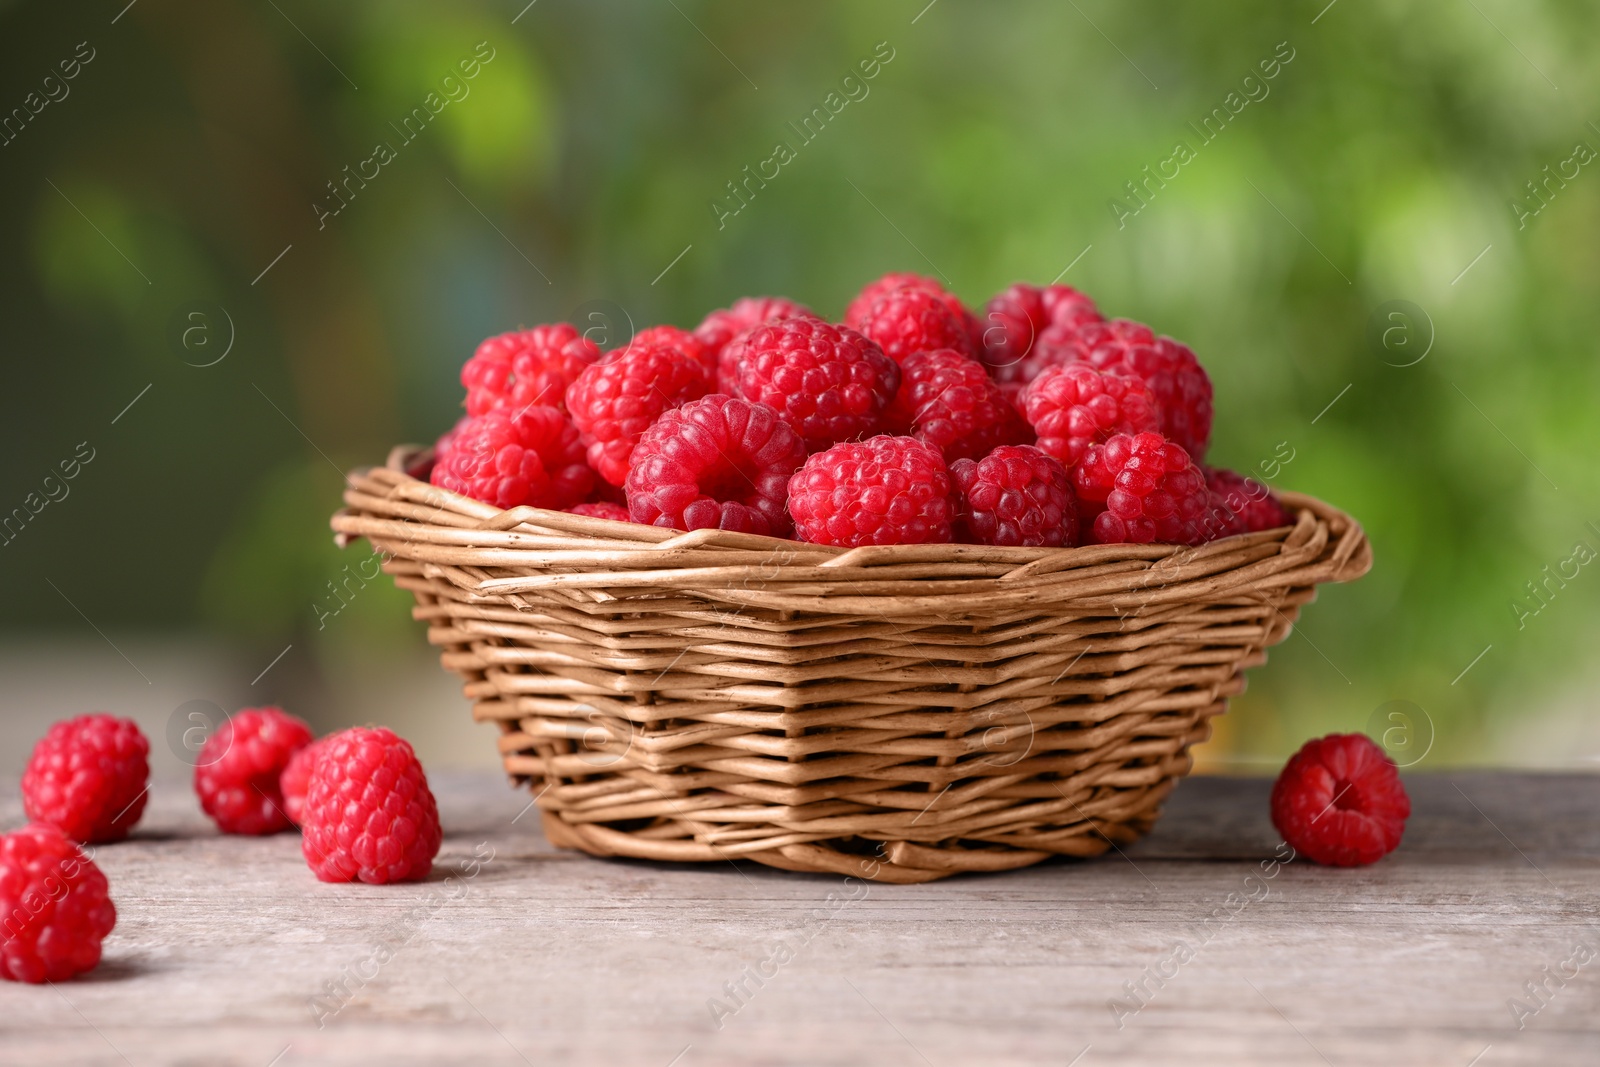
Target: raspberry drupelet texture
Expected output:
[1073,406]
[369,815]
[296,777]
[718,462]
[55,904]
[673,337]
[601,509]
[509,458]
[1149,490]
[828,382]
[613,403]
[239,773]
[907,320]
[724,324]
[1242,505]
[881,491]
[1018,317]
[1016,495]
[1339,801]
[949,401]
[1180,385]
[860,308]
[526,367]
[87,777]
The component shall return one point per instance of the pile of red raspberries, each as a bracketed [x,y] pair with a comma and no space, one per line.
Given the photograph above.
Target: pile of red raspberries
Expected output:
[911,422]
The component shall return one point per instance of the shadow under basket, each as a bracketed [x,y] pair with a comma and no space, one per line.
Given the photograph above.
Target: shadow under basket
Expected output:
[898,713]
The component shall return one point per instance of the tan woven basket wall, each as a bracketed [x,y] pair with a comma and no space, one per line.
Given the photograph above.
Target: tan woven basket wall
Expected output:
[899,713]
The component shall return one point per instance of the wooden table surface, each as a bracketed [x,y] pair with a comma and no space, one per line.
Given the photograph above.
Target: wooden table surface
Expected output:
[227,951]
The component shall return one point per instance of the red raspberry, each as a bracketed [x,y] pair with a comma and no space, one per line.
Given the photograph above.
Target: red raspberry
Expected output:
[601,509]
[55,907]
[238,776]
[1149,488]
[526,367]
[1339,801]
[615,402]
[881,491]
[908,320]
[1180,385]
[1074,406]
[508,458]
[1019,316]
[860,308]
[446,442]
[369,815]
[1016,495]
[1242,505]
[88,778]
[296,777]
[949,401]
[673,337]
[828,382]
[724,324]
[718,462]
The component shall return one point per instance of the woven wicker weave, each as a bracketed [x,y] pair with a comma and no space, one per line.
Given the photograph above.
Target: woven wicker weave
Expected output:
[899,713]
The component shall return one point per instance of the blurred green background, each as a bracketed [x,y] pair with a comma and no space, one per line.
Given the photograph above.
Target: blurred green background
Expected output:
[187,168]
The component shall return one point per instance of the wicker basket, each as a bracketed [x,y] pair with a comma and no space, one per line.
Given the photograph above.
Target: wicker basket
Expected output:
[899,713]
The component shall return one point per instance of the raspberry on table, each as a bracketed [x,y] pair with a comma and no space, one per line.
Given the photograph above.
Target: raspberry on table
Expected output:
[860,308]
[1242,505]
[526,367]
[719,462]
[1181,387]
[948,400]
[88,777]
[724,324]
[55,907]
[1015,495]
[613,403]
[369,815]
[908,320]
[828,382]
[510,458]
[673,337]
[1073,406]
[881,491]
[1339,801]
[601,509]
[1149,490]
[239,774]
[296,777]
[1019,316]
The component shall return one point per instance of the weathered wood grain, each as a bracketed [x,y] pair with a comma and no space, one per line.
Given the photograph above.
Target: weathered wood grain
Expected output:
[542,956]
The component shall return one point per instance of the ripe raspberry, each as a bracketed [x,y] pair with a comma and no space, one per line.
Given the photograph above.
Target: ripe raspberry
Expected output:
[296,777]
[828,382]
[724,324]
[718,462]
[949,401]
[446,442]
[88,778]
[1149,488]
[526,367]
[55,907]
[881,491]
[238,776]
[860,308]
[509,458]
[1074,406]
[1242,505]
[1016,318]
[1339,801]
[908,320]
[671,336]
[1180,385]
[1016,495]
[601,509]
[369,815]
[615,402]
